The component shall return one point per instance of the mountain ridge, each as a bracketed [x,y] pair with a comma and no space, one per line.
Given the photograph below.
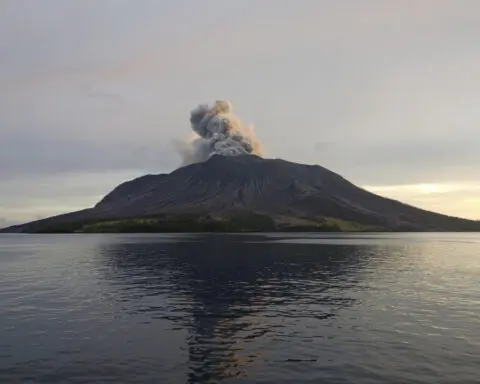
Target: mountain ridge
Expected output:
[224,187]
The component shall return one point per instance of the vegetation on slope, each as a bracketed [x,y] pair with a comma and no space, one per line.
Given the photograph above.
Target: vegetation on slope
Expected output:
[247,222]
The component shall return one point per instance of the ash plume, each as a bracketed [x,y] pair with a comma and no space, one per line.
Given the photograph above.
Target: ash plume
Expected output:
[217,132]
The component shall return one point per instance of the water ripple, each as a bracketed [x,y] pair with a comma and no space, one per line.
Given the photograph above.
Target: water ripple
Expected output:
[333,308]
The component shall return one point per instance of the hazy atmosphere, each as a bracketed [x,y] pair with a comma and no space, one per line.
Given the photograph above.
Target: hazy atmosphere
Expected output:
[95,92]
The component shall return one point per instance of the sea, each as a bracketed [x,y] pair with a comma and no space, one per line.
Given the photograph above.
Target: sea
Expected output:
[252,308]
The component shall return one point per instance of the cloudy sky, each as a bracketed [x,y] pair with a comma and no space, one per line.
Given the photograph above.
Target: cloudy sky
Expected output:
[94,92]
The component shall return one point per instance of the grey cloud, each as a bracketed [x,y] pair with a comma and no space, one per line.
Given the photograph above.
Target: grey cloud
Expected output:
[398,162]
[74,33]
[24,155]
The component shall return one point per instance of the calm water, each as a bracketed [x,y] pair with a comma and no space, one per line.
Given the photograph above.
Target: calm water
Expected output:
[395,308]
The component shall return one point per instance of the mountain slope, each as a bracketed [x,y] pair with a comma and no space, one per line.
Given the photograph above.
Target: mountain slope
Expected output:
[224,186]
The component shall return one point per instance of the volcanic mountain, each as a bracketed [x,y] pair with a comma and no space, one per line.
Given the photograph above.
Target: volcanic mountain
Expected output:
[246,192]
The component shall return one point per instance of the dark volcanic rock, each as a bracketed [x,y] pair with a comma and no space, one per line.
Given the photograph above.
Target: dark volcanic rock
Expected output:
[222,186]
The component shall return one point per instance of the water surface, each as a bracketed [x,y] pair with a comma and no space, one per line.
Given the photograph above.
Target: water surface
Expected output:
[303,308]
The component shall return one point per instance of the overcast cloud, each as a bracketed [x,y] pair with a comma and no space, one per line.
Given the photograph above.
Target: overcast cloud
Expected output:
[94,91]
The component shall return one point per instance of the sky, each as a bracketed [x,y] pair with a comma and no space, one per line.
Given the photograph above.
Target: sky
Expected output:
[95,92]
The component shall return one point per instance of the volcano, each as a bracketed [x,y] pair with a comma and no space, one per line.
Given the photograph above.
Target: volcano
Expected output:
[243,193]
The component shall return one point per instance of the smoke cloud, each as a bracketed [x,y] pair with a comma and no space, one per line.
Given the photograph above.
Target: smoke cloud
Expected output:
[217,132]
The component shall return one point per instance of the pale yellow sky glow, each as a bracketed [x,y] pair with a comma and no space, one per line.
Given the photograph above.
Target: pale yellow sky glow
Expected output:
[456,199]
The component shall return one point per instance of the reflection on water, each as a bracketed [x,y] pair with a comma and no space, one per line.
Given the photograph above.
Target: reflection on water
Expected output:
[276,308]
[229,292]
